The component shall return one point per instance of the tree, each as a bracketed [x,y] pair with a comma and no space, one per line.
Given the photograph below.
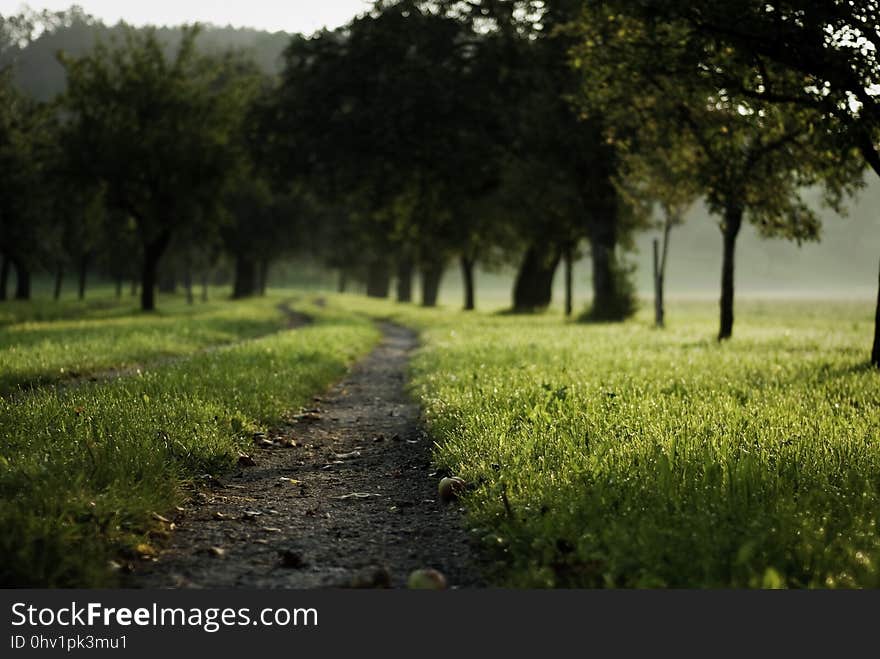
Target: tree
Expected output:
[27,142]
[391,117]
[153,131]
[658,173]
[755,158]
[571,165]
[797,56]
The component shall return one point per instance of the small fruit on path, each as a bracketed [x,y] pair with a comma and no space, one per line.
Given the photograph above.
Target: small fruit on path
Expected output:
[450,488]
[426,579]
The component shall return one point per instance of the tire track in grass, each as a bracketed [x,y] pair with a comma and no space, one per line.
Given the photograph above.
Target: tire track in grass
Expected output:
[293,320]
[353,503]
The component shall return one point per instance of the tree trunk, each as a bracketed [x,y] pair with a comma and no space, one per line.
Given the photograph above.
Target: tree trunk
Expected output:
[153,252]
[660,268]
[343,280]
[872,156]
[730,229]
[378,279]
[188,283]
[59,279]
[875,351]
[245,284]
[604,288]
[83,274]
[134,287]
[533,288]
[404,279]
[467,276]
[204,287]
[432,273]
[4,276]
[264,275]
[658,286]
[569,281]
[119,283]
[23,282]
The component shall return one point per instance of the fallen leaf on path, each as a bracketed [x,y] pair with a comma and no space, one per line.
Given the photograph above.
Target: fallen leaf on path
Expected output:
[358,495]
[246,461]
[271,529]
[159,518]
[347,456]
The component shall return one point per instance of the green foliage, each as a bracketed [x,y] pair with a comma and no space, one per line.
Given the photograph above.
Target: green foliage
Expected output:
[363,114]
[26,153]
[84,468]
[657,79]
[798,55]
[154,132]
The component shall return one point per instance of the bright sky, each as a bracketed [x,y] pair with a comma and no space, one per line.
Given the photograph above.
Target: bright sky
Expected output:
[289,15]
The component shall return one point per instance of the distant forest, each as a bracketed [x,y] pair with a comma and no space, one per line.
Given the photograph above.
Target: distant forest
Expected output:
[39,73]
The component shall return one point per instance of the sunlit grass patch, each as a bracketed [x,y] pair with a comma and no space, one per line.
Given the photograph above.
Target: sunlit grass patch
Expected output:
[83,469]
[621,455]
[37,352]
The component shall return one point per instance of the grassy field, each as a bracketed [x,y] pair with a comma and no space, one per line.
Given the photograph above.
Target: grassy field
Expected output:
[42,342]
[622,456]
[83,469]
[611,455]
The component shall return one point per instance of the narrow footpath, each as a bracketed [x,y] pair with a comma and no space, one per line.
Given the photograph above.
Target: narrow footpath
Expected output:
[346,496]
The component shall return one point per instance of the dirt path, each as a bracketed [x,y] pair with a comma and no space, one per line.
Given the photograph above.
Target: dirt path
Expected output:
[354,503]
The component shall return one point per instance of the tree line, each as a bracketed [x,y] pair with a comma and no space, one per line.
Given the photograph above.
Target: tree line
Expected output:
[422,133]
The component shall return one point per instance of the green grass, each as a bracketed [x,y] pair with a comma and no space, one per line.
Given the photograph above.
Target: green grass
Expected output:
[618,455]
[82,469]
[611,455]
[41,343]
